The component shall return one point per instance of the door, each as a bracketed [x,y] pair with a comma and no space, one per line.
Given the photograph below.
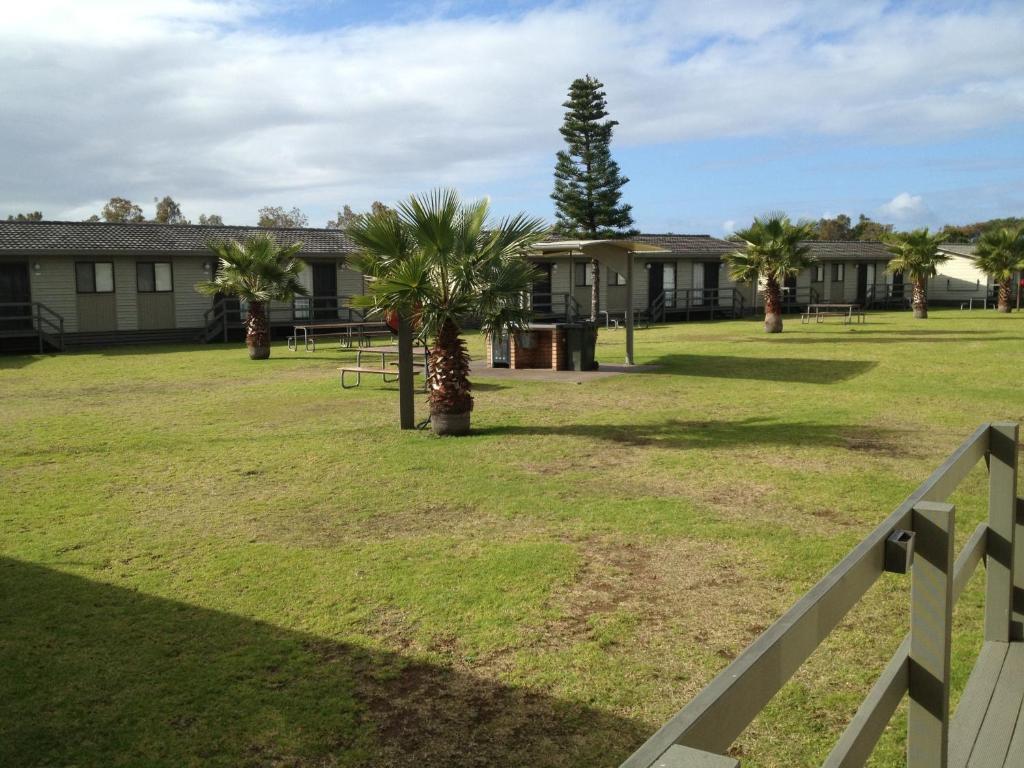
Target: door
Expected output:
[789,289]
[862,284]
[655,281]
[540,295]
[15,289]
[711,272]
[897,285]
[325,291]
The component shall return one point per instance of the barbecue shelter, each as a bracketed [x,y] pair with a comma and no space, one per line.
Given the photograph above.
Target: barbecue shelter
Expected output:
[618,255]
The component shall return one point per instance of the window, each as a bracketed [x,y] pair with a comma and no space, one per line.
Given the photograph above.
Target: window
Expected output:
[94,276]
[838,273]
[819,273]
[614,278]
[154,277]
[584,274]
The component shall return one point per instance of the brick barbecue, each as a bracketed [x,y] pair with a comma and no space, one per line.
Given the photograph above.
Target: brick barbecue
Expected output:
[541,345]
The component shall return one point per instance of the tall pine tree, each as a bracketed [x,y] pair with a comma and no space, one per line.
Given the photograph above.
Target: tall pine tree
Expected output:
[587,181]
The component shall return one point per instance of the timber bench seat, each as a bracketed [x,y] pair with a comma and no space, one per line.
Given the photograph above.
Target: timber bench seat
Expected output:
[988,730]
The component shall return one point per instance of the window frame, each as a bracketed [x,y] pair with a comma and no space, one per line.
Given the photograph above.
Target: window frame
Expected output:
[819,273]
[94,290]
[170,269]
[838,272]
[588,274]
[615,279]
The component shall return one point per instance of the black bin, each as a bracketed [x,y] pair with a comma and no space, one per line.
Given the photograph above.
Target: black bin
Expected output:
[580,344]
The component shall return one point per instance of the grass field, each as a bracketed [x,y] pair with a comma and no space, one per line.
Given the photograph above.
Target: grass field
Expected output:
[211,561]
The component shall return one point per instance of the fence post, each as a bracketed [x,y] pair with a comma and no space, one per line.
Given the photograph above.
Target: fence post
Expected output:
[931,618]
[1002,622]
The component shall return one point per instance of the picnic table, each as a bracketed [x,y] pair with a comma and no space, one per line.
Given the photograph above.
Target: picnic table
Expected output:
[362,333]
[387,368]
[849,313]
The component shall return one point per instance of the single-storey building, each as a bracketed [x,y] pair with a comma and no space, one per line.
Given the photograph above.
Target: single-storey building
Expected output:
[82,283]
[102,283]
[959,280]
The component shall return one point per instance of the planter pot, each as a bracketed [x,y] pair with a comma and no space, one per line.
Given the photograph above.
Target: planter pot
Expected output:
[450,423]
[259,352]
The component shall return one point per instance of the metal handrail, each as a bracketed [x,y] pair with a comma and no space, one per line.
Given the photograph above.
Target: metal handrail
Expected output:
[302,308]
[719,713]
[40,315]
[560,303]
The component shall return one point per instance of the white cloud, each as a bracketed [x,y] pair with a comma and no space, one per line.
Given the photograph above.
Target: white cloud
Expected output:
[904,206]
[728,227]
[204,101]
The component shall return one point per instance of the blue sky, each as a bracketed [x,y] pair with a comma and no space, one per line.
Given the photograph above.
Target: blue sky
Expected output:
[908,112]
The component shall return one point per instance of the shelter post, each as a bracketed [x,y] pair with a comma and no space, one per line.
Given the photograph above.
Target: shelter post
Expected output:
[629,308]
[406,386]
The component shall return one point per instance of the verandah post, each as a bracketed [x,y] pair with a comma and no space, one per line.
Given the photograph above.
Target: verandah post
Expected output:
[1003,547]
[931,618]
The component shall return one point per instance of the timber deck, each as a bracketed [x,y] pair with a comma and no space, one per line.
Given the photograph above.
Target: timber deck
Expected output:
[988,730]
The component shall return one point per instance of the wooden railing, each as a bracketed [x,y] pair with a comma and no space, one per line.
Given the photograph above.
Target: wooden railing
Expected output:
[35,317]
[703,731]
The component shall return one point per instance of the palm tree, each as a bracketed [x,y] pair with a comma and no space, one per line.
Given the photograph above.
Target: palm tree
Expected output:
[775,249]
[916,255]
[1000,253]
[258,271]
[439,263]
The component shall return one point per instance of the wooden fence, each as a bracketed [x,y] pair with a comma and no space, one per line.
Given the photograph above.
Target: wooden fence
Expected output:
[920,531]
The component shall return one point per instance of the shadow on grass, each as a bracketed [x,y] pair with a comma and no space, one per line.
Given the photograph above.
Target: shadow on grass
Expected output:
[678,434]
[97,675]
[854,336]
[798,370]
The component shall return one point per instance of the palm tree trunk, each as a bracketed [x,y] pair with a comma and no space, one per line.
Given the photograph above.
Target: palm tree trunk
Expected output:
[772,306]
[1004,296]
[595,289]
[920,299]
[448,381]
[257,334]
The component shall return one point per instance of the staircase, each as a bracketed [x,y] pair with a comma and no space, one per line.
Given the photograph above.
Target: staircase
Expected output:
[31,321]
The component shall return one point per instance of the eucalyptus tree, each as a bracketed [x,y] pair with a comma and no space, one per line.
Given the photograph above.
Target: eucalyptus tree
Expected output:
[1000,254]
[258,271]
[440,263]
[916,255]
[775,248]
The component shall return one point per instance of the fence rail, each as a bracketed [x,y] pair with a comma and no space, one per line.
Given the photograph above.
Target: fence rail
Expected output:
[713,720]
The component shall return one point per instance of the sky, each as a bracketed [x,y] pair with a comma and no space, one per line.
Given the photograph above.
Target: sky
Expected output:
[908,112]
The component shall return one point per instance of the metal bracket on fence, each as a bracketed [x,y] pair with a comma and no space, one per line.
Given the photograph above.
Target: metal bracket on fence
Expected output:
[899,551]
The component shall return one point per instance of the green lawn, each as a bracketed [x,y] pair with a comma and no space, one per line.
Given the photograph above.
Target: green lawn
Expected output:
[211,561]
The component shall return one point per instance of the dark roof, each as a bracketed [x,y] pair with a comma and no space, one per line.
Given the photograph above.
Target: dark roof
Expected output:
[94,237]
[689,245]
[959,249]
[849,249]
